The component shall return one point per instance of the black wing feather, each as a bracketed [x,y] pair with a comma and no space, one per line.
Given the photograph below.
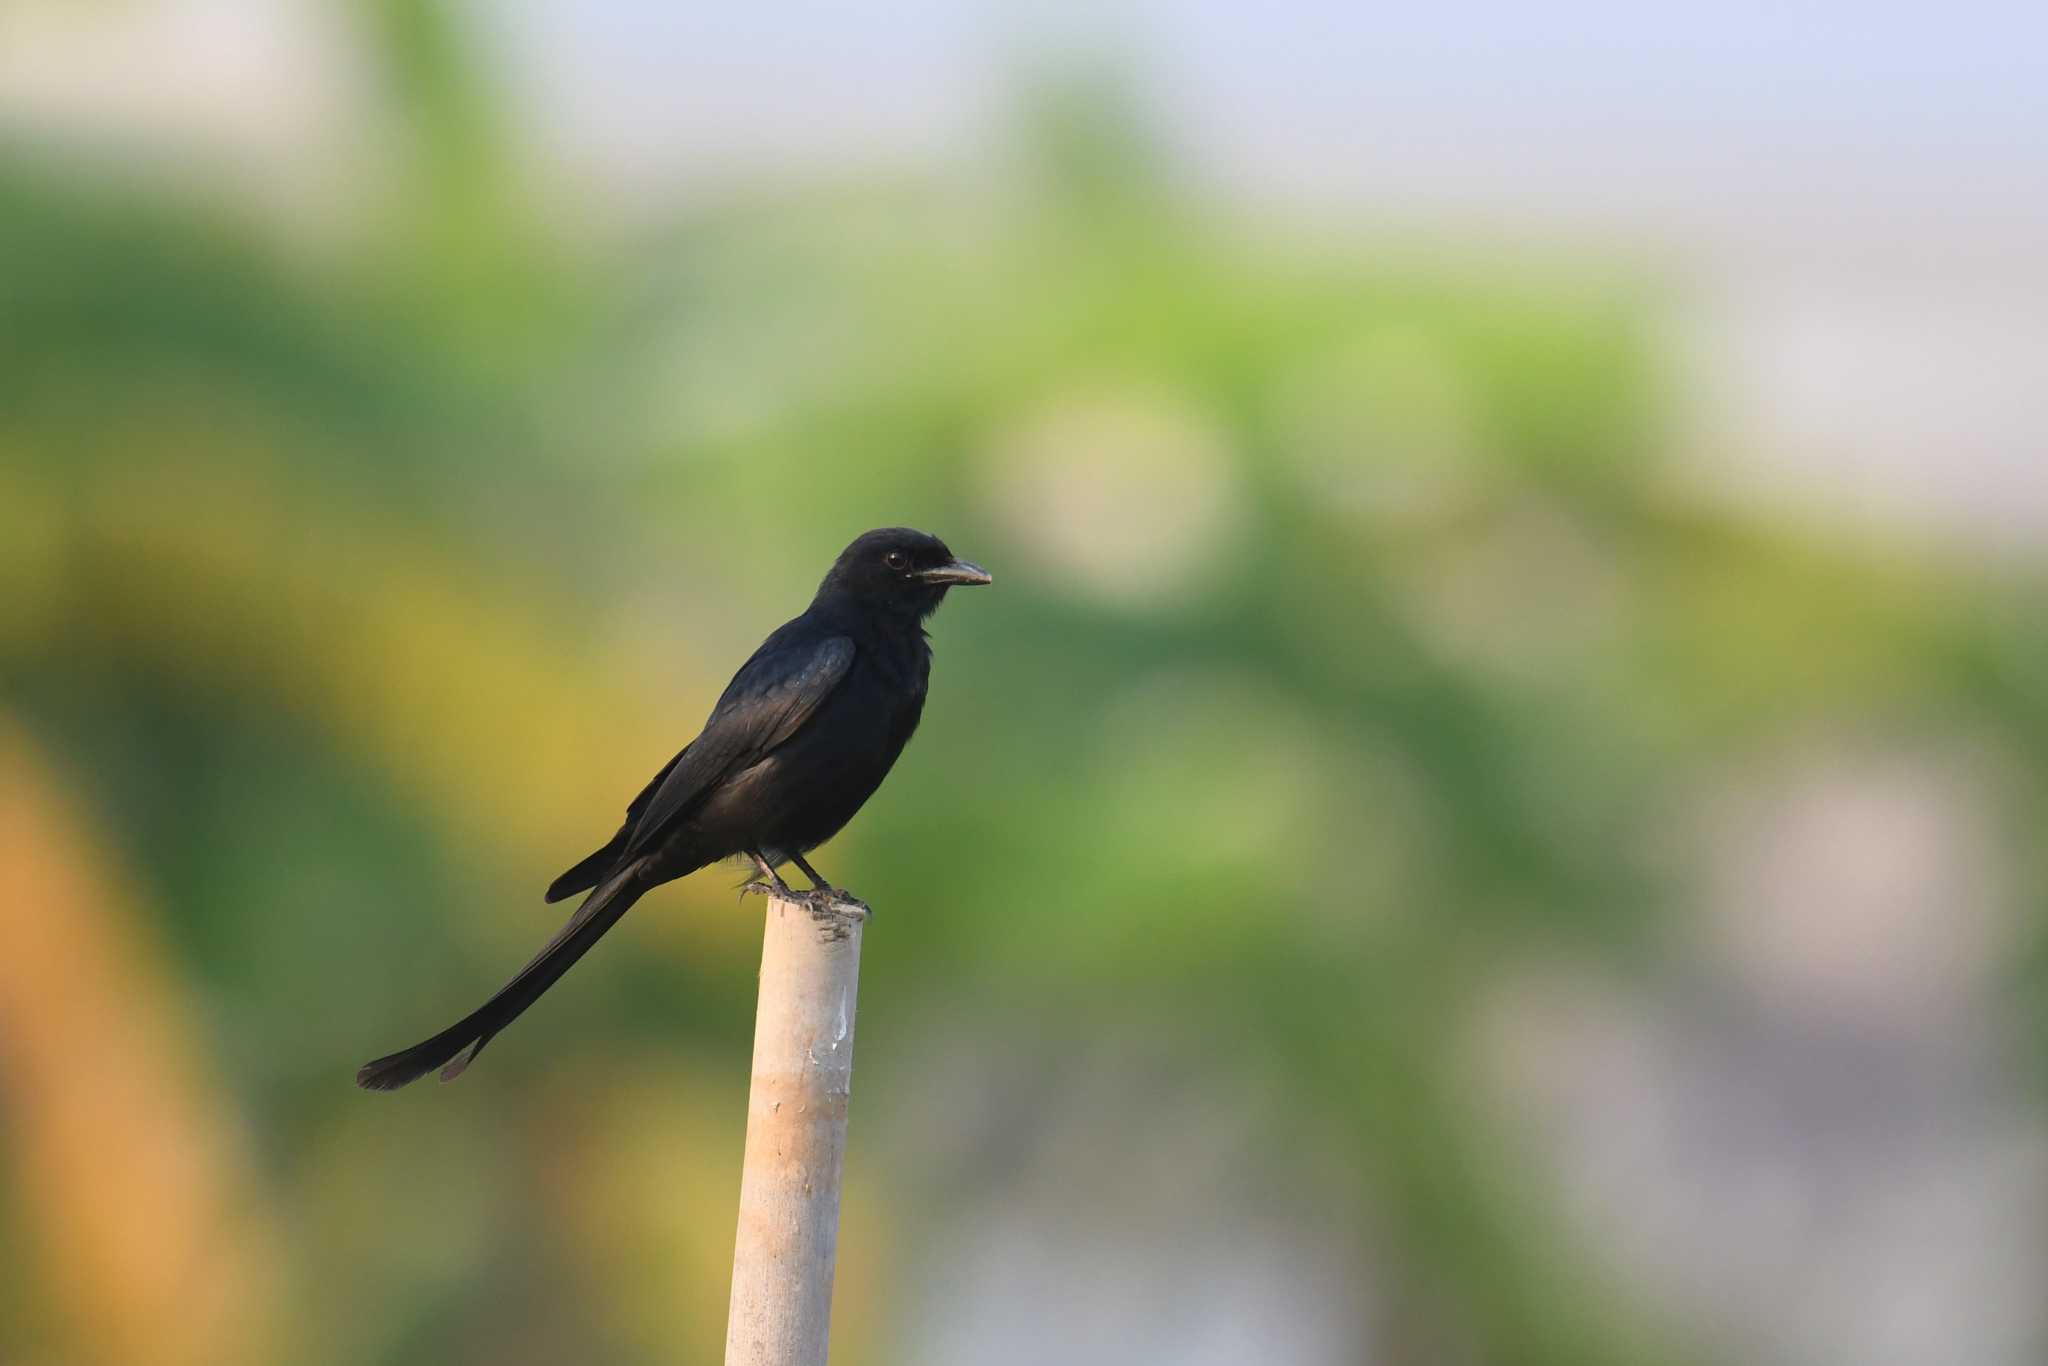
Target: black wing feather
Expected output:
[768,700]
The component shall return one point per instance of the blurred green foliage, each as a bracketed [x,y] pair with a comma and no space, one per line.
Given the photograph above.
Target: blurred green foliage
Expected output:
[356,587]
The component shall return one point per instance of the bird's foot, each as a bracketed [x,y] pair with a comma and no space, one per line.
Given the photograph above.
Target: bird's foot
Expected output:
[839,901]
[835,913]
[781,890]
[834,909]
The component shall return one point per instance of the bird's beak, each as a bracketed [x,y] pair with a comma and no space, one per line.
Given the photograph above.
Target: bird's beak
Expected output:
[959,574]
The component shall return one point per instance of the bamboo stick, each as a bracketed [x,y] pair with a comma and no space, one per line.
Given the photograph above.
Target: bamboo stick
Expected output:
[788,1233]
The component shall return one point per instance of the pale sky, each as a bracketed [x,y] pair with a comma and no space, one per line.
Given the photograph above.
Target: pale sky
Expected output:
[1331,99]
[1850,198]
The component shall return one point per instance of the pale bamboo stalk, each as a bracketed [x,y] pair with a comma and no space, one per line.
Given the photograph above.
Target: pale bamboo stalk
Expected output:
[796,1139]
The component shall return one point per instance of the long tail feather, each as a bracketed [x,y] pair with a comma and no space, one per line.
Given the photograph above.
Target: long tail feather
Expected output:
[455,1047]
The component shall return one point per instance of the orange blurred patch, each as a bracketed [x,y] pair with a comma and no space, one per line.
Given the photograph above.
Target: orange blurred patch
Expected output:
[153,1250]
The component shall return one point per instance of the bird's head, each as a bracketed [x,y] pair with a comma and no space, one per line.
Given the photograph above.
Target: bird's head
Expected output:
[900,569]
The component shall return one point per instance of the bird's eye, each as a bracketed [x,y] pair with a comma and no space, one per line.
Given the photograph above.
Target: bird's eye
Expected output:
[896,559]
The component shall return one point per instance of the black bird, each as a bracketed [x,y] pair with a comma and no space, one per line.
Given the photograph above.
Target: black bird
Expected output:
[802,737]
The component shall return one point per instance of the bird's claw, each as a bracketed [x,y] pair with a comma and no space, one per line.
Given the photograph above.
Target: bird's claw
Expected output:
[831,901]
[834,910]
[839,901]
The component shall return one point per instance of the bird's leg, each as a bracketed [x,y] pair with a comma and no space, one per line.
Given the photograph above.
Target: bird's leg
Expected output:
[769,880]
[823,892]
[824,901]
[818,883]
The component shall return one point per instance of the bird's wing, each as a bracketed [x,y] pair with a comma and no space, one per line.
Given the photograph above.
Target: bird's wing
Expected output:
[771,696]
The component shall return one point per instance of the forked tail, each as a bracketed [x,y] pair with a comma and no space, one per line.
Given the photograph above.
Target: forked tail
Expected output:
[455,1047]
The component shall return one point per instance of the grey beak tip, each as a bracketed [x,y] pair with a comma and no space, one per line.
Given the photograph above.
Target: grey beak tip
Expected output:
[960,574]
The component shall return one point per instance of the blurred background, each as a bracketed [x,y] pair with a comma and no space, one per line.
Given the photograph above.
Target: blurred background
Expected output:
[1493,814]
